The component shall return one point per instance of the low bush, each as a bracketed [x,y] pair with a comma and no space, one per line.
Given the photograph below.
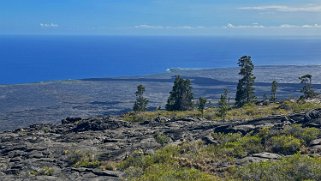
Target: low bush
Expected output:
[243,146]
[284,144]
[164,155]
[82,159]
[162,139]
[299,107]
[165,172]
[224,138]
[305,134]
[47,171]
[295,167]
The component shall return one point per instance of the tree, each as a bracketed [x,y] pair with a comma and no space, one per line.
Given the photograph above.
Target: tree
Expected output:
[307,89]
[201,105]
[274,88]
[245,88]
[223,106]
[181,96]
[141,102]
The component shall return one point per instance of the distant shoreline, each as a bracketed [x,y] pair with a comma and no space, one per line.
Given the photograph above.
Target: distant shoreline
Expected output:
[175,70]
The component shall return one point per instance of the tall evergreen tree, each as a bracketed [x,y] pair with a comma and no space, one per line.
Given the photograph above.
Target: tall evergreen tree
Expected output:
[245,88]
[141,102]
[273,90]
[181,96]
[223,106]
[201,105]
[307,89]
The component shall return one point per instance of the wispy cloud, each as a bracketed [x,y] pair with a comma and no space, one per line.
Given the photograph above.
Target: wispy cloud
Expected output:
[257,26]
[284,8]
[230,26]
[145,26]
[300,26]
[254,25]
[49,25]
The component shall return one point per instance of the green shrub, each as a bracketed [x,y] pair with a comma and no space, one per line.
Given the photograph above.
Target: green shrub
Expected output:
[166,172]
[284,144]
[250,109]
[48,171]
[295,167]
[88,163]
[224,138]
[164,155]
[300,107]
[243,146]
[162,139]
[305,134]
[82,159]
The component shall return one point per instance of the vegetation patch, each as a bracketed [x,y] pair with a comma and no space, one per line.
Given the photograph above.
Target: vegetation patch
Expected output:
[243,146]
[284,144]
[80,158]
[165,172]
[247,112]
[47,171]
[295,167]
[197,161]
[162,139]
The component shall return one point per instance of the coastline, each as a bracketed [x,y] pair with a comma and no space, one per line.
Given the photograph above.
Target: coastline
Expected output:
[173,71]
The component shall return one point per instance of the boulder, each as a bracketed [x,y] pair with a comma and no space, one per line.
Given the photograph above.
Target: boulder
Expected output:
[313,118]
[162,119]
[297,118]
[70,120]
[208,140]
[315,142]
[250,159]
[188,119]
[316,148]
[267,155]
[99,125]
[244,129]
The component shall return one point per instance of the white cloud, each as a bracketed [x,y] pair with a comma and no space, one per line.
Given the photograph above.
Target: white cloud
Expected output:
[252,26]
[49,25]
[256,26]
[148,27]
[312,26]
[284,8]
[300,26]
[144,26]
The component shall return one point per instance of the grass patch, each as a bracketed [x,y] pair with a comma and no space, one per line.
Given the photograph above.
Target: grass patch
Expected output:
[284,144]
[295,167]
[296,107]
[247,112]
[165,172]
[243,146]
[166,164]
[80,158]
[305,134]
[47,171]
[162,138]
[192,160]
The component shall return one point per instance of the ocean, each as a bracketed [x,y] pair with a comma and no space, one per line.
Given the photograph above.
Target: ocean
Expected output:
[26,59]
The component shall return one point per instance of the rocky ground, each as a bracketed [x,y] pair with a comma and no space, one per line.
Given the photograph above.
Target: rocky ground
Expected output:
[48,152]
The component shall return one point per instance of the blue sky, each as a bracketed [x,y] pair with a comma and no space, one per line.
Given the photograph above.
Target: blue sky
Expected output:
[161,17]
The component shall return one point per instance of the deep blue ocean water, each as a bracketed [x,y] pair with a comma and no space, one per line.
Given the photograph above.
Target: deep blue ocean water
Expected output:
[25,59]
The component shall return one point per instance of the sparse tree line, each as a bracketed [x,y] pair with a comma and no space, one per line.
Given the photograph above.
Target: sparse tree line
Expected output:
[181,96]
